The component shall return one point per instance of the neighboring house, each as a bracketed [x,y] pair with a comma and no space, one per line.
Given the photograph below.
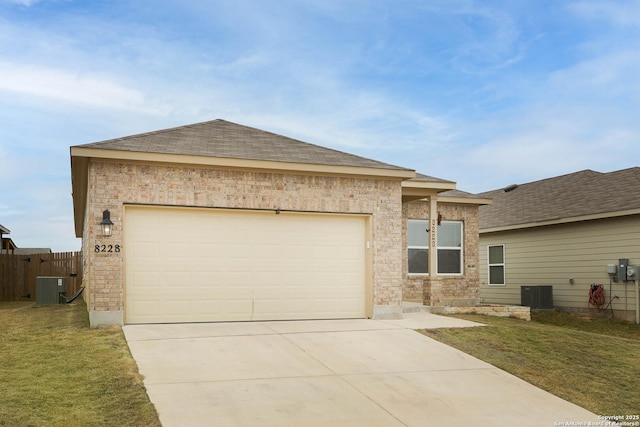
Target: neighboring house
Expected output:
[217,221]
[8,246]
[562,232]
[31,251]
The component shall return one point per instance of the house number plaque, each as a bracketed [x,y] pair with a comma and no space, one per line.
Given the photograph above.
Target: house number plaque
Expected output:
[433,233]
[107,248]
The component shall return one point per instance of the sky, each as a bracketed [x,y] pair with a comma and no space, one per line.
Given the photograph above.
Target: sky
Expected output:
[485,93]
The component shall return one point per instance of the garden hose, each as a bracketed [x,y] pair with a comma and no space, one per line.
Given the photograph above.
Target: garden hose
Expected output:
[596,298]
[69,300]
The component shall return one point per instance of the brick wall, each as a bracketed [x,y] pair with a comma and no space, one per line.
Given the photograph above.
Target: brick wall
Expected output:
[112,184]
[445,290]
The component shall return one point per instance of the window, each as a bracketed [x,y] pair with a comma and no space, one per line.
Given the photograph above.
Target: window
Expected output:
[496,265]
[450,240]
[450,247]
[418,246]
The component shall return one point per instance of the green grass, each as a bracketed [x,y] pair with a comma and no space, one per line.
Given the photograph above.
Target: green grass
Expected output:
[594,363]
[56,371]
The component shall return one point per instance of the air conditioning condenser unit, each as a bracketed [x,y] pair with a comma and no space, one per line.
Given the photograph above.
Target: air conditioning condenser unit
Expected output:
[48,289]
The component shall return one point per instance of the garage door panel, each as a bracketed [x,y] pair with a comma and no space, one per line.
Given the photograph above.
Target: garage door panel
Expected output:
[146,249]
[211,265]
[147,280]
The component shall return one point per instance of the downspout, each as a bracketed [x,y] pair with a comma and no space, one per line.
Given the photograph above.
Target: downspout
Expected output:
[637,303]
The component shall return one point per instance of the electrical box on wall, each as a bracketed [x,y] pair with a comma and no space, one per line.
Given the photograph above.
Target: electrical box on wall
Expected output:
[632,272]
[623,263]
[612,271]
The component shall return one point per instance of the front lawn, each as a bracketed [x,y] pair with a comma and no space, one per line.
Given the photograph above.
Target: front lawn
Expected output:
[56,371]
[594,363]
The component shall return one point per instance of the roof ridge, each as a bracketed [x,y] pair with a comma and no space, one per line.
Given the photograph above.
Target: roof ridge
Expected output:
[623,171]
[542,180]
[553,178]
[220,138]
[308,143]
[153,132]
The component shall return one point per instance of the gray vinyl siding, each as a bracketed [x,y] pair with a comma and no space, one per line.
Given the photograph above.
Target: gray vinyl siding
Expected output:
[552,255]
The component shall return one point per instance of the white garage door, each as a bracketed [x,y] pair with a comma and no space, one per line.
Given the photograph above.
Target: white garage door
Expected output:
[199,265]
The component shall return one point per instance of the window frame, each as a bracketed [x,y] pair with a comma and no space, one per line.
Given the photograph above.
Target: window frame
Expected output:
[461,249]
[425,248]
[503,264]
[438,248]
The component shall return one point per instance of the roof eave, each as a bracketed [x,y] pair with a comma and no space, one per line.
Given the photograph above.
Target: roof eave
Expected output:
[438,185]
[79,183]
[417,190]
[80,160]
[227,162]
[465,200]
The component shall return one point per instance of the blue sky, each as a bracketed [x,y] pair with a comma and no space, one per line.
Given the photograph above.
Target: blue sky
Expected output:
[485,93]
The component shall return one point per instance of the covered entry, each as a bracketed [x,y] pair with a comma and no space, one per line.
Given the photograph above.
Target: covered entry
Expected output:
[200,265]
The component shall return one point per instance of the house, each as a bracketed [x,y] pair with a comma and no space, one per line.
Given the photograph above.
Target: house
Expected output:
[562,232]
[6,244]
[217,221]
[31,251]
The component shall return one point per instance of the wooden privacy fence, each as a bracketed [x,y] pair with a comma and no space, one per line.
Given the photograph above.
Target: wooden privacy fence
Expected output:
[18,273]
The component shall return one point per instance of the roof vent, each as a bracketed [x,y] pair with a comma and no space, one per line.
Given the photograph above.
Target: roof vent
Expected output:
[510,188]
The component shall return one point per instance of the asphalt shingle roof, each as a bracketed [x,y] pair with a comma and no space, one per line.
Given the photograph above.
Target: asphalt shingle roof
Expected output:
[220,138]
[459,194]
[574,195]
[427,178]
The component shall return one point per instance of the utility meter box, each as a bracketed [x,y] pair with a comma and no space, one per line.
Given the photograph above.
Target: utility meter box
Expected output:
[623,263]
[632,272]
[48,289]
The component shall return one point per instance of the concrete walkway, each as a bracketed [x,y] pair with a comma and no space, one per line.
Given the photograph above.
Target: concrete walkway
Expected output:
[331,373]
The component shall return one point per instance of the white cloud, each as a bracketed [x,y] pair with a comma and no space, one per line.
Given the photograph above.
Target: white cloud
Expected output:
[611,73]
[26,3]
[71,86]
[625,13]
[543,143]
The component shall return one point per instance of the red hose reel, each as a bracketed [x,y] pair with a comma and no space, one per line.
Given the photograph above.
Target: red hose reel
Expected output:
[597,299]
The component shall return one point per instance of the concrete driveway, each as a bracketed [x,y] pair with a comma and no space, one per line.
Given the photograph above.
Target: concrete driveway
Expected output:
[331,373]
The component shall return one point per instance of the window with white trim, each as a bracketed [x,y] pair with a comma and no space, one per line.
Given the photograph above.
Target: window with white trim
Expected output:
[418,246]
[450,240]
[496,264]
[450,247]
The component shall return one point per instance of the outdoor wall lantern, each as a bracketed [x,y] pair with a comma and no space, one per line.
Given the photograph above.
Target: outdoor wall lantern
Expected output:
[107,225]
